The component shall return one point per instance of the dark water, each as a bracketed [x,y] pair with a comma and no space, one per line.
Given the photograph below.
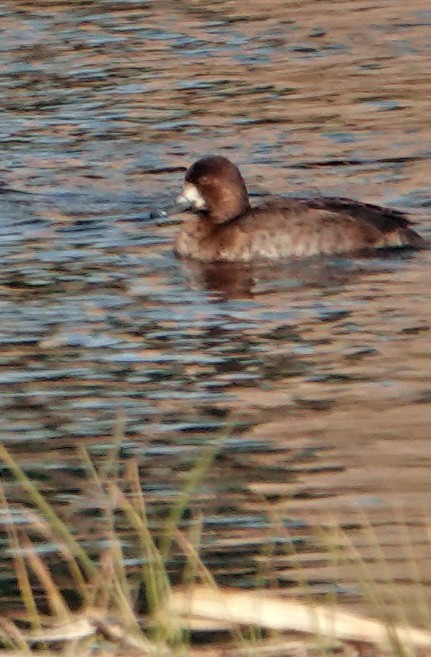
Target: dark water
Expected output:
[313,376]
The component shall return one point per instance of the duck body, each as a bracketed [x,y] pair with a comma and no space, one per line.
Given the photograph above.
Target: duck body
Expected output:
[228,229]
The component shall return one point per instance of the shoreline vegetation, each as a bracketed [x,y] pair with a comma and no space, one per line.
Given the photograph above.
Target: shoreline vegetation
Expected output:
[196,617]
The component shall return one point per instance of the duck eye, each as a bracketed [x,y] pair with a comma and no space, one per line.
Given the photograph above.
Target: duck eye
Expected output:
[204,180]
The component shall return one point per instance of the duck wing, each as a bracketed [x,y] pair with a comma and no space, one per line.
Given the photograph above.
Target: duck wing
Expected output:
[307,226]
[383,219]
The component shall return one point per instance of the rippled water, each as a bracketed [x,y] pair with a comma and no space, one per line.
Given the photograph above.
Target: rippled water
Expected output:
[317,374]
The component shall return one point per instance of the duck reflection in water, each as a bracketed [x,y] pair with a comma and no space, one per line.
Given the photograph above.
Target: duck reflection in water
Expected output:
[245,280]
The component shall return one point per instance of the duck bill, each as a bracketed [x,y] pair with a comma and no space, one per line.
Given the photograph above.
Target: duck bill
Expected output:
[182,204]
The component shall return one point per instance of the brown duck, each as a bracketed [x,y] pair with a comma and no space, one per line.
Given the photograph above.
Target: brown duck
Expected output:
[227,228]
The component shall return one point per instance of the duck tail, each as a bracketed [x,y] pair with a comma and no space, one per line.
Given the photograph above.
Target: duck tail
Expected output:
[411,238]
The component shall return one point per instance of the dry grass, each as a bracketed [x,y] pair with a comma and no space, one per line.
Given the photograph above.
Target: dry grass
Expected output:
[108,620]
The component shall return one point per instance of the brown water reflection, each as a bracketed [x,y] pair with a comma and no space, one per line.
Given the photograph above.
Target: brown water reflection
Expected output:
[323,367]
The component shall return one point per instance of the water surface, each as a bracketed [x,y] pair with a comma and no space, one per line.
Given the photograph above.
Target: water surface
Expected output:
[314,376]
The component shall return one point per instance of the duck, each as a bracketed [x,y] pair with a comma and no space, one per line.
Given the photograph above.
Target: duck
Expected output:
[227,228]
